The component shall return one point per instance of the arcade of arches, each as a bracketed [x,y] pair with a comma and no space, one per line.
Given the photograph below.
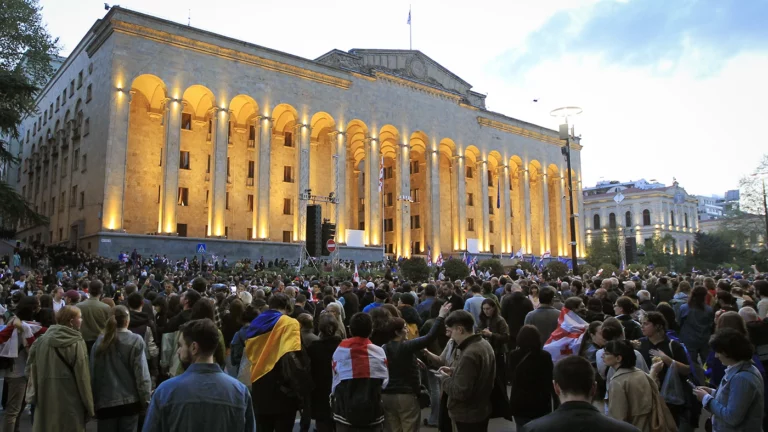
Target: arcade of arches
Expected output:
[239,171]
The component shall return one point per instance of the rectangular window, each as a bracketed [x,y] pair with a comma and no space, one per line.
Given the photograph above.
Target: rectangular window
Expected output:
[62,200]
[53,205]
[85,161]
[158,194]
[184,160]
[490,178]
[82,200]
[286,236]
[64,97]
[490,226]
[470,199]
[415,222]
[208,165]
[470,224]
[71,88]
[161,156]
[87,126]
[288,139]
[50,112]
[61,234]
[388,173]
[73,197]
[361,226]
[417,247]
[389,225]
[181,229]
[183,198]
[414,167]
[80,79]
[64,164]
[45,117]
[288,174]
[416,195]
[226,201]
[250,204]
[249,233]
[287,206]
[229,180]
[58,103]
[88,93]
[388,200]
[186,121]
[251,169]
[469,172]
[490,205]
[75,159]
[361,205]
[252,133]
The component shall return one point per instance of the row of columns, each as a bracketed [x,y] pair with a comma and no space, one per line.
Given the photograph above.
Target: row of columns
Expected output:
[173,109]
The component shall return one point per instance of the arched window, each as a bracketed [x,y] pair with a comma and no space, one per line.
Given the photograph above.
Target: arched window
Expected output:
[628,219]
[646,217]
[612,220]
[672,217]
[596,222]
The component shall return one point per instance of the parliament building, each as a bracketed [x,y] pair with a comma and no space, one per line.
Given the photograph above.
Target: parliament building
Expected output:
[161,137]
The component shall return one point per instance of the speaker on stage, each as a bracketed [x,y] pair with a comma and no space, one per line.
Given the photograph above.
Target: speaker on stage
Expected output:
[314,230]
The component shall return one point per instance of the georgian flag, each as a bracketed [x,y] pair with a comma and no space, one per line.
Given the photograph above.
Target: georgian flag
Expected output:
[357,357]
[439,261]
[547,254]
[519,254]
[566,339]
[356,275]
[381,174]
[472,273]
[429,256]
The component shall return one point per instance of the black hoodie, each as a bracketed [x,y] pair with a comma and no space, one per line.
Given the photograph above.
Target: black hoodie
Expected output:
[139,324]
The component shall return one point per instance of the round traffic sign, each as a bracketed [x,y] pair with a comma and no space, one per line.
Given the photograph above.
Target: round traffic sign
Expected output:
[330,245]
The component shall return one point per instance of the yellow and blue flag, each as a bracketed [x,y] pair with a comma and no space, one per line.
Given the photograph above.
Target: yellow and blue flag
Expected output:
[270,336]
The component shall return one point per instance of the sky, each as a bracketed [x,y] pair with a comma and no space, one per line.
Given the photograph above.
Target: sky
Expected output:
[669,88]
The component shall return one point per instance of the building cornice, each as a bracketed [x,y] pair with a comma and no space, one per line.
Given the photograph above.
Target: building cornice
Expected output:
[517,130]
[417,86]
[184,42]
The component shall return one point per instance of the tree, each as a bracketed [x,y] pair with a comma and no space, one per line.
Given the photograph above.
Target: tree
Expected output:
[26,49]
[415,269]
[751,189]
[711,250]
[493,265]
[556,269]
[603,250]
[455,269]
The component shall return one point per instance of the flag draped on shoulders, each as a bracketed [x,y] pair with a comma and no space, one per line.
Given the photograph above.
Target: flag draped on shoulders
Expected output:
[566,339]
[357,357]
[269,337]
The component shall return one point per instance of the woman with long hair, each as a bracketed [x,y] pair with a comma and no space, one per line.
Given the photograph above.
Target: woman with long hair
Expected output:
[334,309]
[160,309]
[61,381]
[120,375]
[630,388]
[533,295]
[695,319]
[320,354]
[532,393]
[496,331]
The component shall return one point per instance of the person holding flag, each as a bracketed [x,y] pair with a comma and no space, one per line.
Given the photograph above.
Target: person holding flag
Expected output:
[278,371]
[566,339]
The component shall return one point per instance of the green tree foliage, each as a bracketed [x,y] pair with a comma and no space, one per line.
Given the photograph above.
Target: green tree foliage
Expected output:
[556,269]
[609,270]
[603,250]
[493,265]
[25,66]
[455,269]
[415,269]
[711,250]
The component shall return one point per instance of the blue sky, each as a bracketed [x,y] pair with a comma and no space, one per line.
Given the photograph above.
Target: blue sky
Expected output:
[670,88]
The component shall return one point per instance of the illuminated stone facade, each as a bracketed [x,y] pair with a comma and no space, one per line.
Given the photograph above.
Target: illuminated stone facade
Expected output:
[192,135]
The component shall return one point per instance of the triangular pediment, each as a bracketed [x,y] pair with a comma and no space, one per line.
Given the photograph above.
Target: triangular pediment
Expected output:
[409,64]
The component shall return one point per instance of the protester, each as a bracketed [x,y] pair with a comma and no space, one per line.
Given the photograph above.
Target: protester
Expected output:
[695,319]
[61,380]
[629,388]
[203,398]
[545,316]
[320,354]
[532,395]
[95,314]
[119,375]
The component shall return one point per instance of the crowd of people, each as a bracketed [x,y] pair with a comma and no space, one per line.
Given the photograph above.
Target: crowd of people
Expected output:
[154,345]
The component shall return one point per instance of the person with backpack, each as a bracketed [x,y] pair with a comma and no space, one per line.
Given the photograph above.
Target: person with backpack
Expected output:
[119,375]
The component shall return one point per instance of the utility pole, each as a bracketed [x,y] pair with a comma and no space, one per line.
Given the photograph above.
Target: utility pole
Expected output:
[566,136]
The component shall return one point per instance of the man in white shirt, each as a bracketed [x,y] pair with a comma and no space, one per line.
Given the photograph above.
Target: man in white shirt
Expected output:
[58,299]
[21,282]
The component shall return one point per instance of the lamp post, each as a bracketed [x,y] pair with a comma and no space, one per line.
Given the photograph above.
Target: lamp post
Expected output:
[564,113]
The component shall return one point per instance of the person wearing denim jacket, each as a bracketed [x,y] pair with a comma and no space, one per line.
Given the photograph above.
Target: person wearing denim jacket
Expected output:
[121,383]
[737,404]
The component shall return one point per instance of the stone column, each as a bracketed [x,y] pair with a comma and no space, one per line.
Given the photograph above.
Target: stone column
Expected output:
[545,198]
[526,181]
[117,150]
[169,196]
[265,147]
[220,143]
[433,197]
[505,217]
[373,222]
[255,213]
[340,186]
[580,233]
[461,191]
[404,200]
[483,228]
[300,206]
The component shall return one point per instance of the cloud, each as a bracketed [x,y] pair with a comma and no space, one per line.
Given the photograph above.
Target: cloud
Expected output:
[657,34]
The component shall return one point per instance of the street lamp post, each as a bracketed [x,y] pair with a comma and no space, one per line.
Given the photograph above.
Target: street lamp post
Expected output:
[566,112]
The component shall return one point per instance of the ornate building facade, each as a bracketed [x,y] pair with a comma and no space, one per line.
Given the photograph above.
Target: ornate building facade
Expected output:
[647,210]
[175,136]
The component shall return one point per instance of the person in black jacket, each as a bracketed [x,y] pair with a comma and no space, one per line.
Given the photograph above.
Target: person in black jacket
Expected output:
[350,301]
[514,307]
[624,308]
[400,397]
[320,354]
[575,386]
[188,300]
[532,394]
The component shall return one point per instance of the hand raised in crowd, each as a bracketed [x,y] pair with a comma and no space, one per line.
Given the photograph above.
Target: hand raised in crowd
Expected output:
[445,310]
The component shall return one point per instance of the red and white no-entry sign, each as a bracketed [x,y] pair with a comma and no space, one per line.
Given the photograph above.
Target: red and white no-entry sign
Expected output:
[330,245]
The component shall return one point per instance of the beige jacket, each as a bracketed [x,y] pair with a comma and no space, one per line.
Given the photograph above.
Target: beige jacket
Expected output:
[630,398]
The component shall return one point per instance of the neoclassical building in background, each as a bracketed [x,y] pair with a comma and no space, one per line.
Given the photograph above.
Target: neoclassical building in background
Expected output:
[648,209]
[159,136]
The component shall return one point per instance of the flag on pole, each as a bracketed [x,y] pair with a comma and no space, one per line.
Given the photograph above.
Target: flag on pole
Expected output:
[381,174]
[409,16]
[472,272]
[429,256]
[519,253]
[566,339]
[547,254]
[356,276]
[439,261]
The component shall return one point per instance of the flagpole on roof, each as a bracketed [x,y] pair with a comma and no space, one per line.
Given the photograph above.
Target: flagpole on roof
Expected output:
[410,30]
